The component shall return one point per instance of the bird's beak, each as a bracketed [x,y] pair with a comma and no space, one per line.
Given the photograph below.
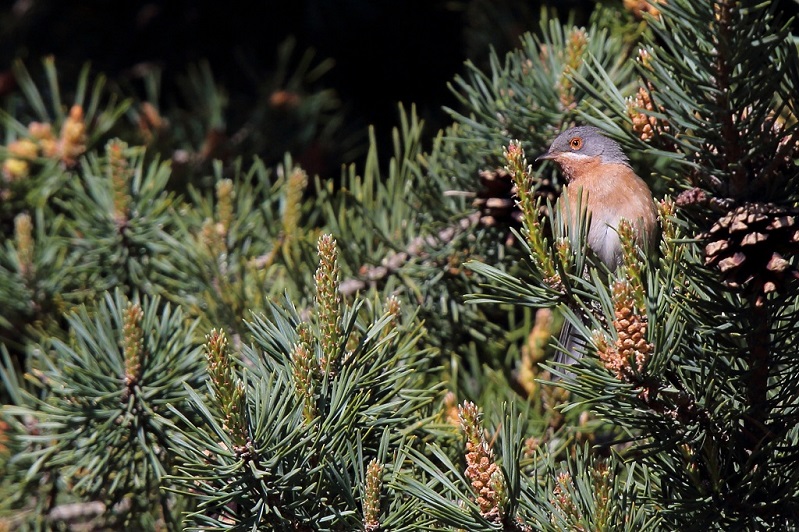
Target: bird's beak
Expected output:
[545,156]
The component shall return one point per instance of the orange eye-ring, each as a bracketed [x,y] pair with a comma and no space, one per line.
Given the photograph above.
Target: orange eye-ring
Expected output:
[576,143]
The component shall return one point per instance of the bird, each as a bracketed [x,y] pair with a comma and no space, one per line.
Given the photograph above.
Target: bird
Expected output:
[600,179]
[597,168]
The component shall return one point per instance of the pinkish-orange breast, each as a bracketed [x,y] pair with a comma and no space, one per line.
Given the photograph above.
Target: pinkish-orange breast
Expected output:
[612,192]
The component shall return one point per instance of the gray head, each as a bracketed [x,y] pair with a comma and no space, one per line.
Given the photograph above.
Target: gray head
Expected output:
[579,143]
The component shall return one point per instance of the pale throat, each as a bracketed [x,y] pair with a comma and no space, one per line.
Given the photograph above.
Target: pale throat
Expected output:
[573,164]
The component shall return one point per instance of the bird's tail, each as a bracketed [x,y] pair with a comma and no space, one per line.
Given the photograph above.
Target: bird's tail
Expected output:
[571,343]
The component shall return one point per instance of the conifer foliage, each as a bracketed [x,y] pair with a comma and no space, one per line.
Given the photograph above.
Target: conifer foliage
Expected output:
[694,352]
[193,337]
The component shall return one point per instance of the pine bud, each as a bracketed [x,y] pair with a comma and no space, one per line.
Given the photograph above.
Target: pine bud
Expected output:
[371,500]
[295,188]
[15,169]
[563,501]
[132,346]
[640,109]
[42,134]
[639,7]
[628,355]
[533,229]
[72,143]
[22,152]
[451,409]
[304,333]
[645,58]
[23,239]
[216,354]
[229,391]
[485,477]
[534,350]
[304,369]
[225,194]
[394,307]
[576,44]
[631,259]
[120,175]
[666,209]
[212,235]
[23,149]
[394,310]
[328,303]
[602,480]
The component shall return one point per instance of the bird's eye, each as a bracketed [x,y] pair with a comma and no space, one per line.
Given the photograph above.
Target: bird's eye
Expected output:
[576,143]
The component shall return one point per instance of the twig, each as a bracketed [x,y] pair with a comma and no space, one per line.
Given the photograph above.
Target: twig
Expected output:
[416,248]
[79,511]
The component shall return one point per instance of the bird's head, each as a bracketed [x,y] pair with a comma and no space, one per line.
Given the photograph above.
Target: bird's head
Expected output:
[583,145]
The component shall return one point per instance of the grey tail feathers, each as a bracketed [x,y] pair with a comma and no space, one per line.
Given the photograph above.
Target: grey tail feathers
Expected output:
[571,341]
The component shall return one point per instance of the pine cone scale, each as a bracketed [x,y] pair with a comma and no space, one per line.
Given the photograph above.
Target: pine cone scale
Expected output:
[752,246]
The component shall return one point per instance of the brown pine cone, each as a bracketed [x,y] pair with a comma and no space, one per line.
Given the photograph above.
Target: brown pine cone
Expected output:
[752,245]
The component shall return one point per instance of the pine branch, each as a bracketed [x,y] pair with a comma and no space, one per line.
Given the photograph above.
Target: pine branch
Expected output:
[370,275]
[101,417]
[757,432]
[310,391]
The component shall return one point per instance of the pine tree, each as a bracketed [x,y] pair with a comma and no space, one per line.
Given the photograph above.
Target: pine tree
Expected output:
[194,337]
[693,353]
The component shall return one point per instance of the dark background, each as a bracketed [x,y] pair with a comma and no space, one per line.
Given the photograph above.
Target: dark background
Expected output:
[384,51]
